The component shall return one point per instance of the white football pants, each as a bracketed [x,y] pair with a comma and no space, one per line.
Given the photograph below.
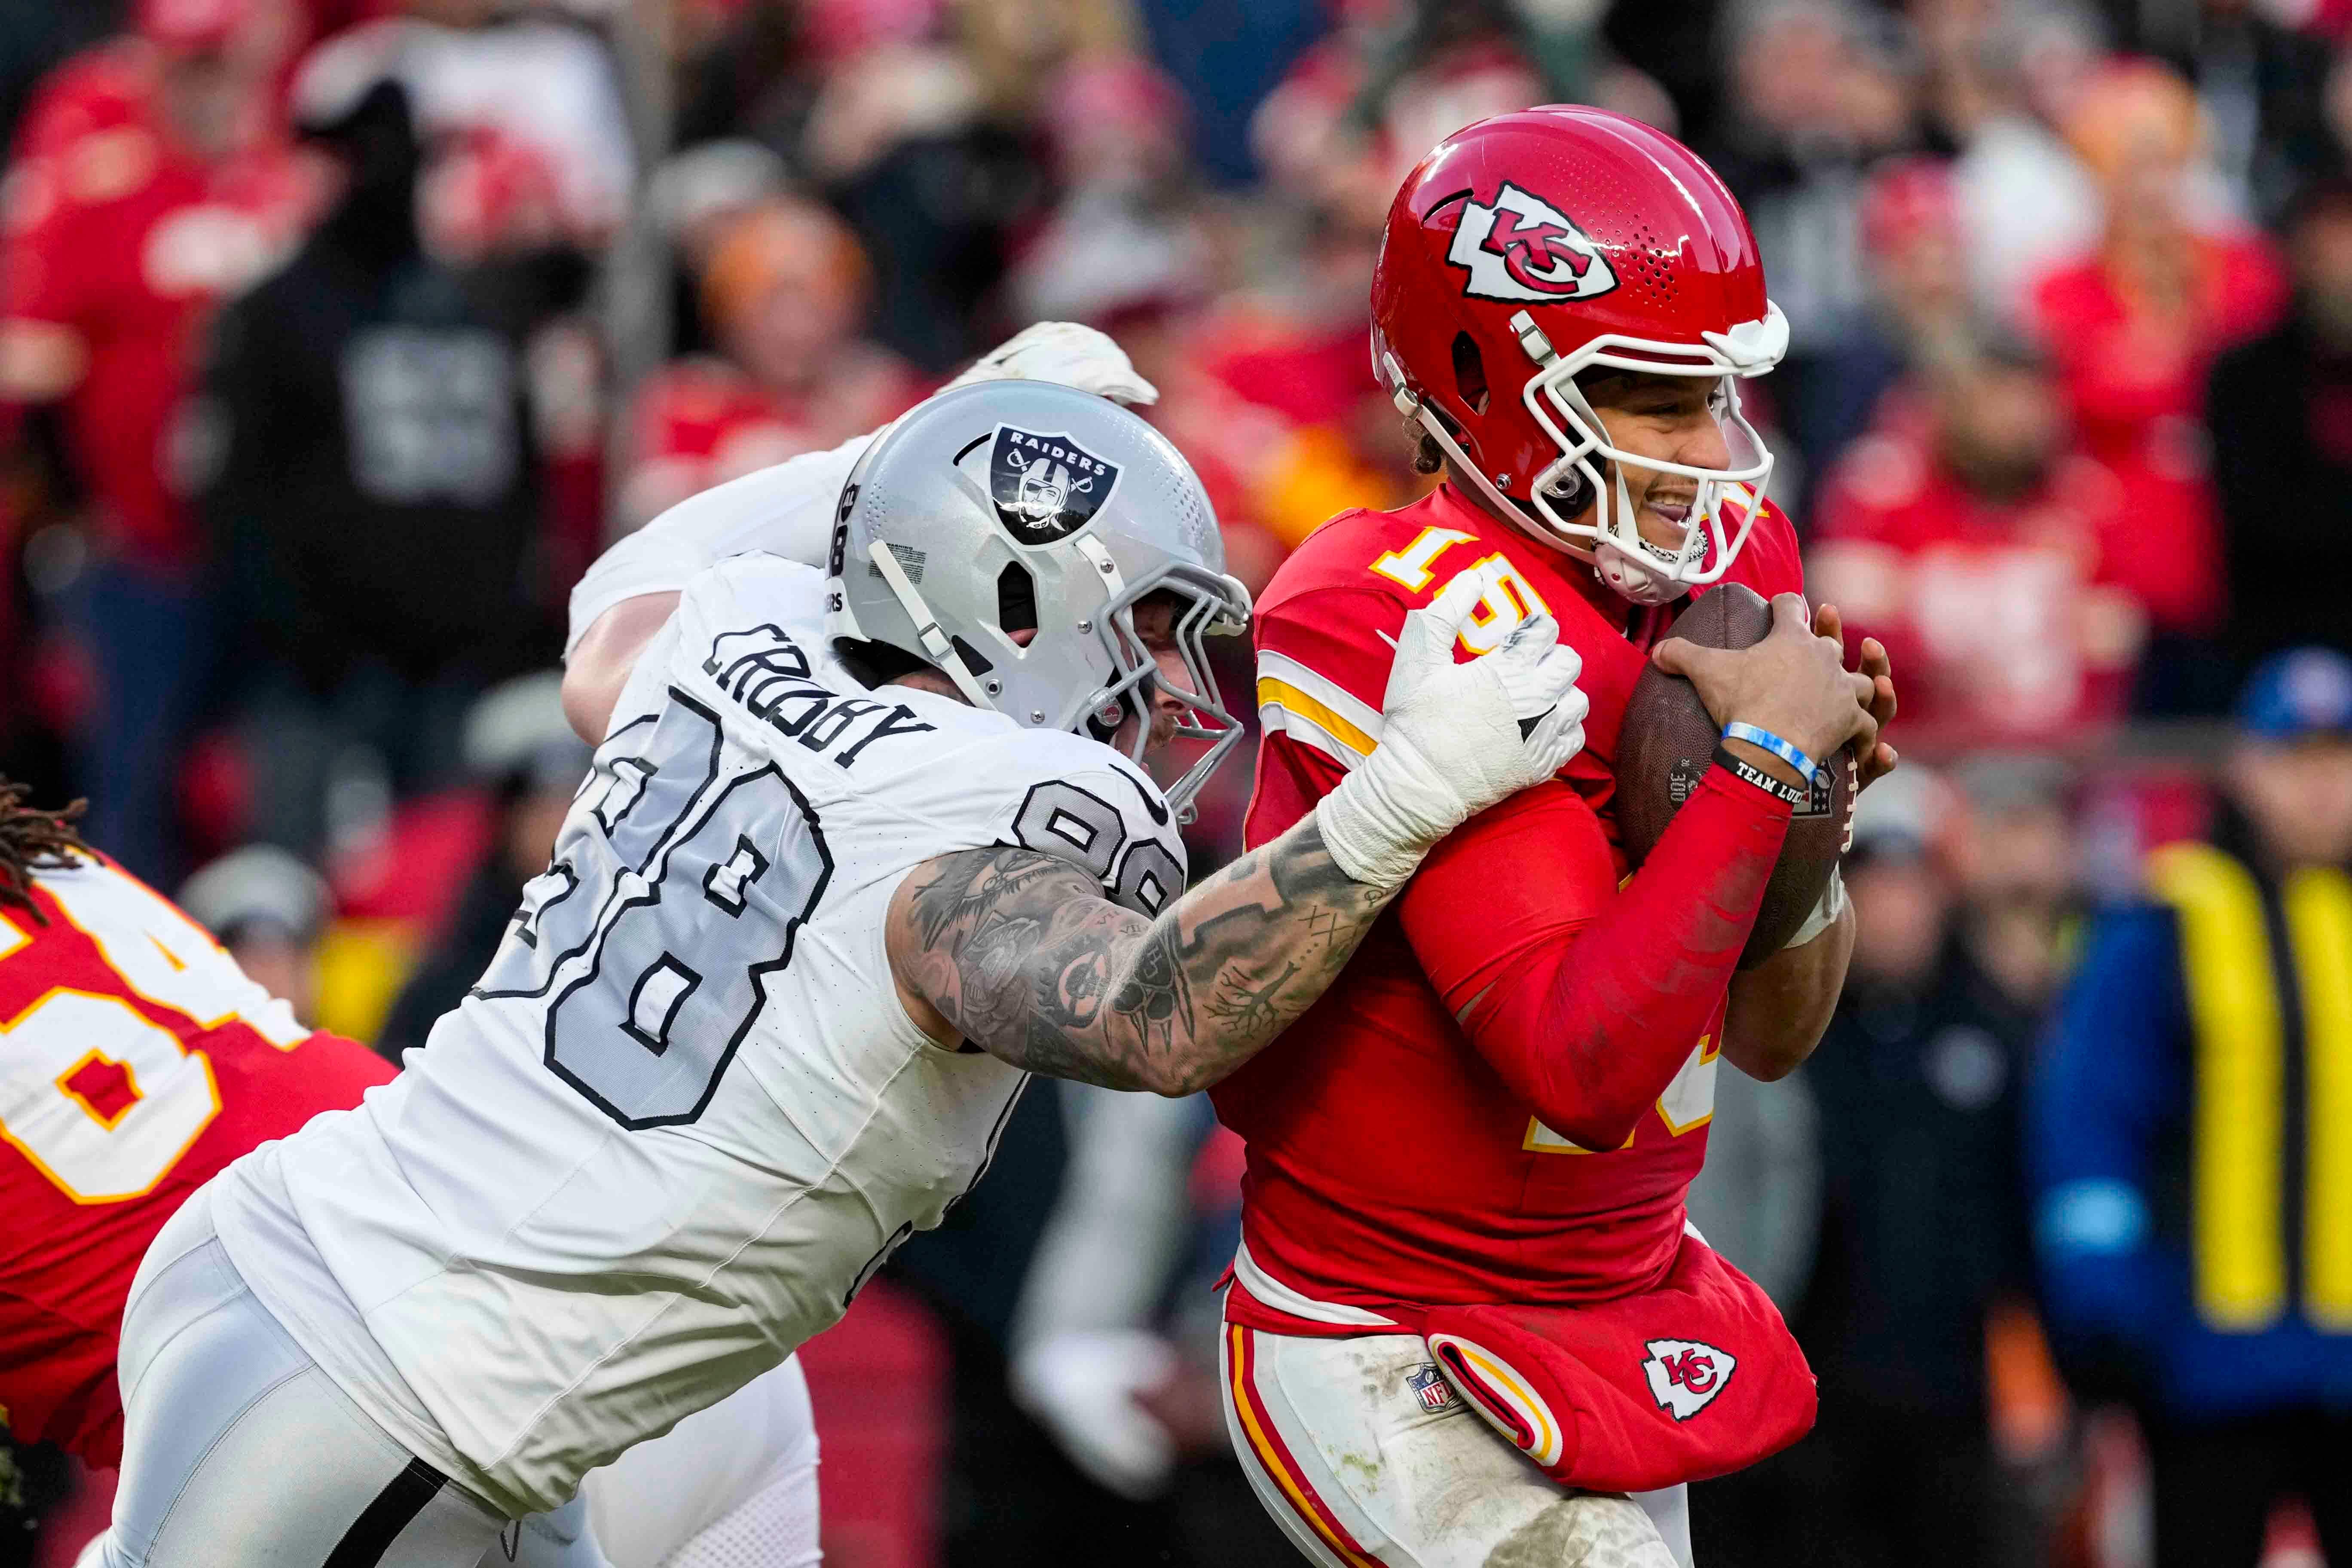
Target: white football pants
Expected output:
[239,1450]
[1361,1472]
[733,1486]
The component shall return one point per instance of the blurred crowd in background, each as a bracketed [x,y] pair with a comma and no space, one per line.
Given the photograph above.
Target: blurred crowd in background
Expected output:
[338,336]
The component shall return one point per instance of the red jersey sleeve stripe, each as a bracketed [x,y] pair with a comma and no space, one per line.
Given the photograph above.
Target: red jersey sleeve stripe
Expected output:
[1310,707]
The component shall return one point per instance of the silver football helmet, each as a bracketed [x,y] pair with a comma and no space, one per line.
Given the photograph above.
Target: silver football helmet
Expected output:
[1014,504]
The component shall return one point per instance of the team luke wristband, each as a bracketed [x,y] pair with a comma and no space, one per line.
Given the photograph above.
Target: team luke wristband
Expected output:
[1774,745]
[1780,789]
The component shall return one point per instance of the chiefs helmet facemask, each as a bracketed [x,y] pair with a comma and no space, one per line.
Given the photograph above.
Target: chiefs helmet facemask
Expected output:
[1566,239]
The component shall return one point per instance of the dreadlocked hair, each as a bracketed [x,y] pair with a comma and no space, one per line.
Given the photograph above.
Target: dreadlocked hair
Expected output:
[1428,457]
[31,839]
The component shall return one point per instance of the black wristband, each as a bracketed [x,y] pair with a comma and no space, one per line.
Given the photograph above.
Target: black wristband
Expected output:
[1748,773]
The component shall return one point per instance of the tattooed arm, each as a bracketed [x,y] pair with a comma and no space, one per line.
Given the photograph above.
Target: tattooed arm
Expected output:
[1019,954]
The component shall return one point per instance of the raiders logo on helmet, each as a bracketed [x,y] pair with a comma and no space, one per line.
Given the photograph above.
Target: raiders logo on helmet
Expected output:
[1525,249]
[1046,486]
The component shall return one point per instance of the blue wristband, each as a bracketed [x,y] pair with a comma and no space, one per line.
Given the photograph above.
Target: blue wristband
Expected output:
[1774,745]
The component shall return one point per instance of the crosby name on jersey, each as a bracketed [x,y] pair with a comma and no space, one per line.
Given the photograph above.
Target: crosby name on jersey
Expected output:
[711,1116]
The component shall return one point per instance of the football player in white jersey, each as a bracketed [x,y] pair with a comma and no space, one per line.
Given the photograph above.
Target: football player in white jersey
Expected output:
[787,509]
[859,852]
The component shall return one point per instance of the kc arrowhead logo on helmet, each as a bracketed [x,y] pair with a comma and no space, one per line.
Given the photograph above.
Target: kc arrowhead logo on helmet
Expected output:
[1046,486]
[1524,249]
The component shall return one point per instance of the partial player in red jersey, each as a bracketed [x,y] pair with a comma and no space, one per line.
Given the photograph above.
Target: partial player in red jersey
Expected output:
[1467,1162]
[136,1060]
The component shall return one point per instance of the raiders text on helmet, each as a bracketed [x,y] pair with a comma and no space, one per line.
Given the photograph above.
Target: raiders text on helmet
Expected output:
[1008,507]
[1530,247]
[1046,486]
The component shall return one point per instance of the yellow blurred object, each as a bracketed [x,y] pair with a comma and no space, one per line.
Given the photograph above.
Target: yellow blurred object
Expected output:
[362,965]
[2237,1120]
[1314,475]
[2319,924]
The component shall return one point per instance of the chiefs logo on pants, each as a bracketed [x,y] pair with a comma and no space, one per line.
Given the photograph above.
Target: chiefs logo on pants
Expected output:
[1696,1378]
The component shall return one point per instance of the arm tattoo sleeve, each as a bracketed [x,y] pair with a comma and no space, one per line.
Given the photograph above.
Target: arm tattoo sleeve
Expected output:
[1024,955]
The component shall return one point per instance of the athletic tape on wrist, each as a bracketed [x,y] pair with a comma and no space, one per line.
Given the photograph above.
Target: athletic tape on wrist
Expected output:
[1748,773]
[1779,748]
[1367,850]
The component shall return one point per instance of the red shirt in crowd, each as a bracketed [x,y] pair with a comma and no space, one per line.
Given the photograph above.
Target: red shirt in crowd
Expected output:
[1283,418]
[700,421]
[2136,386]
[2004,620]
[117,243]
[1414,1140]
[138,1061]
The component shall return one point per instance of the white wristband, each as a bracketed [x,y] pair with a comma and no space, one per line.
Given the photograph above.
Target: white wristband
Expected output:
[1825,913]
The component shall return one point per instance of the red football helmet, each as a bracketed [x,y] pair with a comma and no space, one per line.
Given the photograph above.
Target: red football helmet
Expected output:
[1561,239]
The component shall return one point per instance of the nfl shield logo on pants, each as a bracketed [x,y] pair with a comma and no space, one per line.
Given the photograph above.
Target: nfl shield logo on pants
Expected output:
[1429,1386]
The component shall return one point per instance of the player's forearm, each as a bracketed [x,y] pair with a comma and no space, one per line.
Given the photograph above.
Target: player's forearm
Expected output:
[1250,950]
[598,669]
[1592,1037]
[1025,958]
[1779,1008]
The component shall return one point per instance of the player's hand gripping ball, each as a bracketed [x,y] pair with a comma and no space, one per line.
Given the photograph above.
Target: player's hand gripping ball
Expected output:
[1668,744]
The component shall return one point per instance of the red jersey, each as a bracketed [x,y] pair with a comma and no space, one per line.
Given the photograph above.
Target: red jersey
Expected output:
[136,1060]
[2135,382]
[701,422]
[1389,1165]
[2000,615]
[125,241]
[2125,368]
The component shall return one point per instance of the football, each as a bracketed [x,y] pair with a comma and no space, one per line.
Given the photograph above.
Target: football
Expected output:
[1668,744]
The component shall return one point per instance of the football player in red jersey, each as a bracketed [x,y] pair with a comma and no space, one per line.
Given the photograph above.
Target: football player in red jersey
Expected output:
[136,1060]
[1466,1165]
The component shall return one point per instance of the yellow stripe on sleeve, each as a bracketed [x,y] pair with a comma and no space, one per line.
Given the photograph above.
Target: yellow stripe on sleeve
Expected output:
[1285,697]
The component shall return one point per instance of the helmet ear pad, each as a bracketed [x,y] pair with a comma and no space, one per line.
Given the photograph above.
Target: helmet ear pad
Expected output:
[1572,497]
[1469,372]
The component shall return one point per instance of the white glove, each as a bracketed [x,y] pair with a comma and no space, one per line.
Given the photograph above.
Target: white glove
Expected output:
[1065,353]
[1082,1387]
[1454,738]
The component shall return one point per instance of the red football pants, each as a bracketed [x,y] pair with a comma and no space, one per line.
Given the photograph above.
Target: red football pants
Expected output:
[1696,1378]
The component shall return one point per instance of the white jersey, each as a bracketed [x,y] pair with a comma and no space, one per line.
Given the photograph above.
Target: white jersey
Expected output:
[683,1115]
[785,511]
